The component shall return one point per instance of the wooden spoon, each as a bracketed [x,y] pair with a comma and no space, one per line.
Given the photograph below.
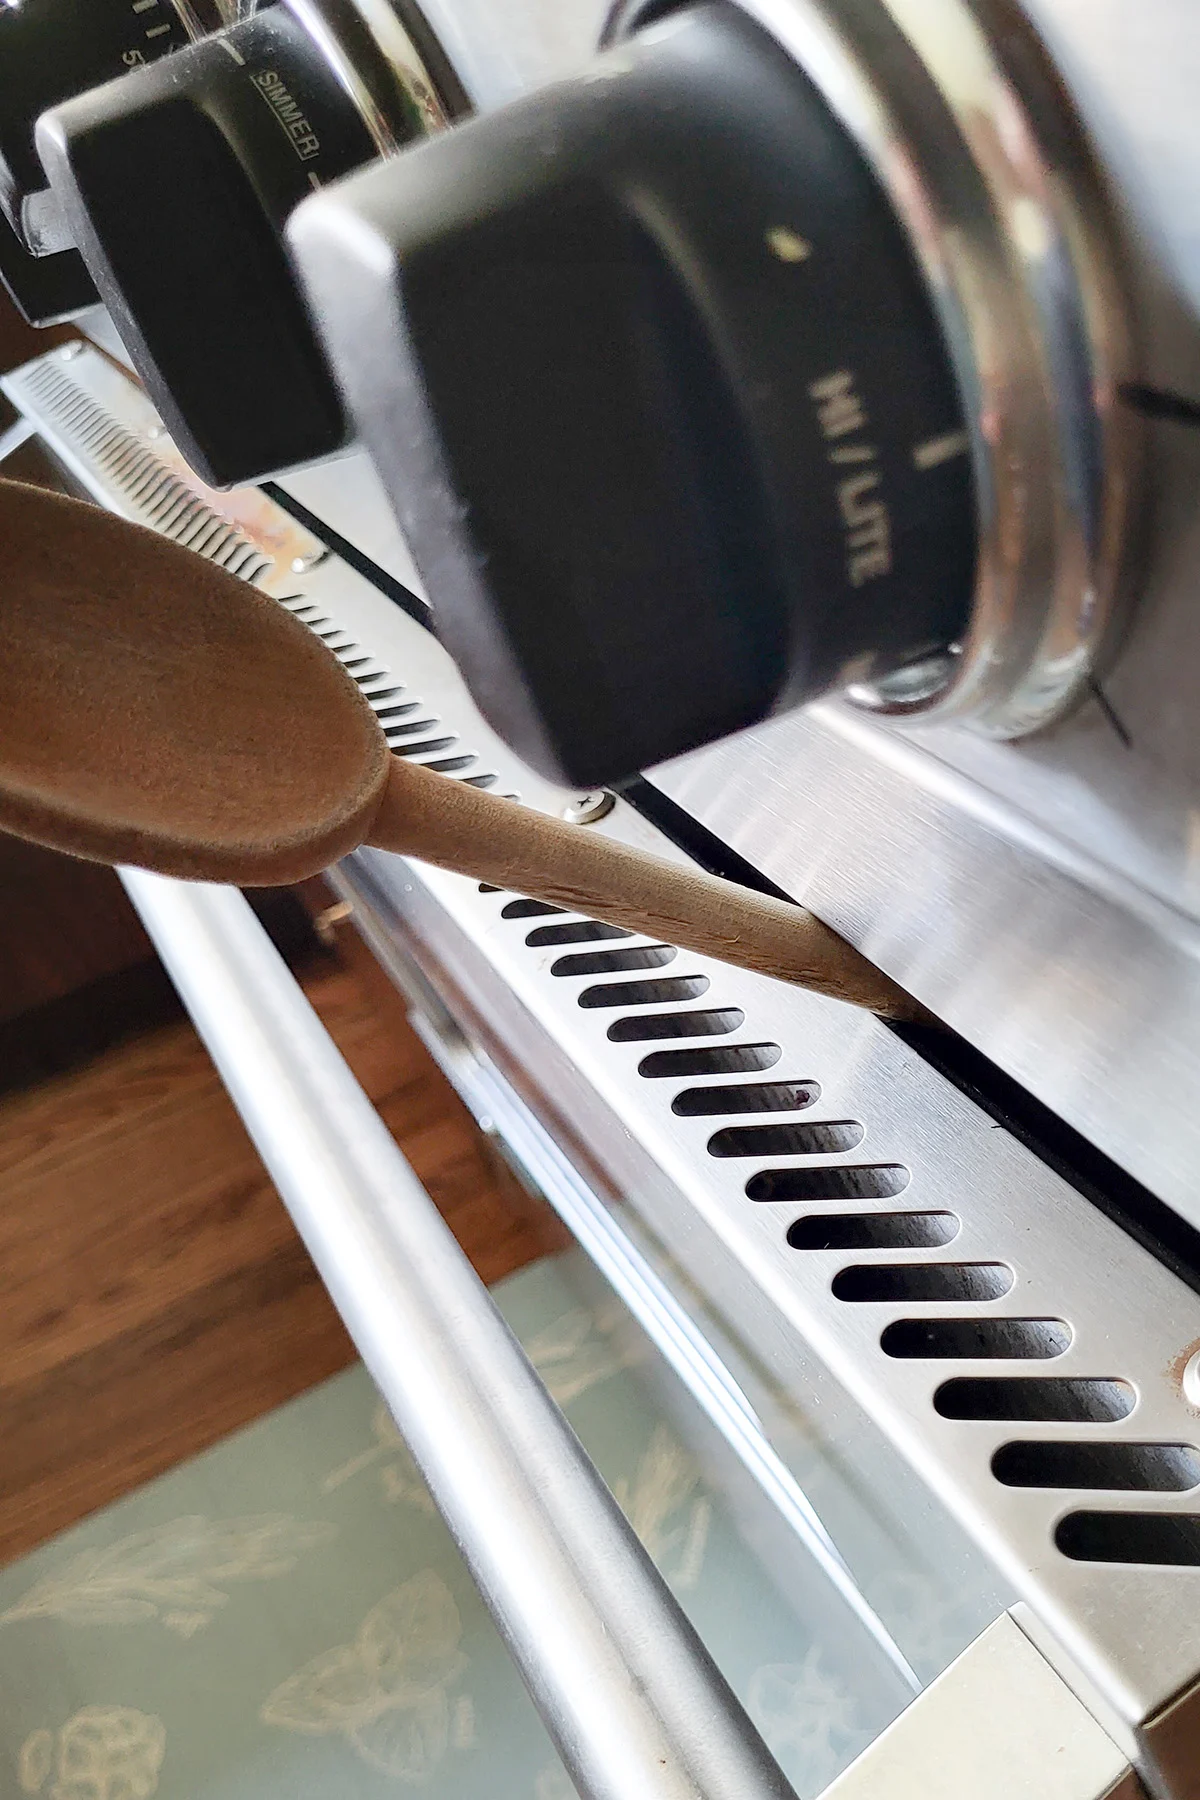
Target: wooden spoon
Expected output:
[155,710]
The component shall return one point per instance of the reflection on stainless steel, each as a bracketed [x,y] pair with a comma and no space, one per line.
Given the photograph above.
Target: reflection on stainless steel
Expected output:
[629,1273]
[503,51]
[378,66]
[1041,901]
[628,1691]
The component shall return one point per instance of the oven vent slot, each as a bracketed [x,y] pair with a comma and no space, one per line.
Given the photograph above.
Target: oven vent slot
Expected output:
[614,962]
[747,1097]
[713,1021]
[1065,1400]
[422,747]
[1127,1468]
[971,1340]
[873,1283]
[667,988]
[716,1059]
[873,1231]
[1171,1539]
[854,1181]
[576,931]
[141,478]
[522,909]
[832,1137]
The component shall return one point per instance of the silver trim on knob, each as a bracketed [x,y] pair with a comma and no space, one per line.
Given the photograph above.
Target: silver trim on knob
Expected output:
[378,66]
[957,108]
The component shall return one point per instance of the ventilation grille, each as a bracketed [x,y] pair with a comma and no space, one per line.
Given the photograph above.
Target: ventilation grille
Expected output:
[878,1254]
[143,480]
[411,728]
[131,470]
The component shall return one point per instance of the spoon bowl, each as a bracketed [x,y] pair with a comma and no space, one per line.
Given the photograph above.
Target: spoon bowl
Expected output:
[156,710]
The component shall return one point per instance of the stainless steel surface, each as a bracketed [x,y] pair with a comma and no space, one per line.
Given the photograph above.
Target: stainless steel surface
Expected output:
[968,134]
[1133,71]
[590,808]
[1127,1634]
[998,1725]
[347,494]
[503,51]
[626,1688]
[499,1110]
[16,434]
[377,65]
[1042,901]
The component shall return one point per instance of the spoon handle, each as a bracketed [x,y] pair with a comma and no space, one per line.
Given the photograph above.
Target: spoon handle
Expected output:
[492,839]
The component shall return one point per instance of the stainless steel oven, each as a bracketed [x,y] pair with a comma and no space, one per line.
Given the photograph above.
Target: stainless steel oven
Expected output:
[877,591]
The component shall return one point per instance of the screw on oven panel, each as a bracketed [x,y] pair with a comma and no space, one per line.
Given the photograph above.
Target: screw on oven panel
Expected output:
[312,559]
[589,808]
[1191,1379]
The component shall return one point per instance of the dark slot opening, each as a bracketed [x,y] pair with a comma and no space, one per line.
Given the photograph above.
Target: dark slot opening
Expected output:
[485,887]
[825,1139]
[643,1027]
[1074,1399]
[715,1059]
[1151,1468]
[1128,1537]
[874,1231]
[645,993]
[482,781]
[970,1339]
[526,909]
[425,748]
[923,1281]
[614,962]
[753,1097]
[401,712]
[578,931]
[447,765]
[864,1181]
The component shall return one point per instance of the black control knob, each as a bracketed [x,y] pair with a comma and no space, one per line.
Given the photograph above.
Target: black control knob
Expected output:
[50,49]
[659,395]
[175,182]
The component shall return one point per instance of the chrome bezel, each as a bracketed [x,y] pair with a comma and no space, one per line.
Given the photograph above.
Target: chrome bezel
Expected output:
[378,66]
[960,113]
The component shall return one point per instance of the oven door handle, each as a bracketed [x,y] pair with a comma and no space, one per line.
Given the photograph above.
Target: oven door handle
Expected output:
[627,1690]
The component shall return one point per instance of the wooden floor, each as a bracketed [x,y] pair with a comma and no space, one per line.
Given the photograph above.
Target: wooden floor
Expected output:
[153,1293]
